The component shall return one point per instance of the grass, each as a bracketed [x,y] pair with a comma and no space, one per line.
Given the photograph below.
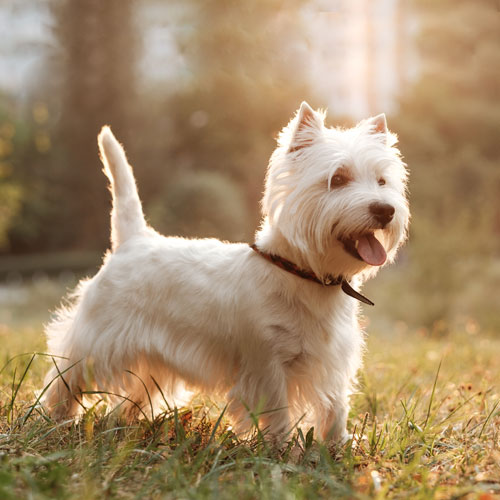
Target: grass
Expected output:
[426,424]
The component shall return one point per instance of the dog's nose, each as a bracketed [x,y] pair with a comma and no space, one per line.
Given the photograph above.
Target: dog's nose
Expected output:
[383,212]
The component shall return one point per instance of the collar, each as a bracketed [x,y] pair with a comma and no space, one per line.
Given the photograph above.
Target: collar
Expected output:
[328,280]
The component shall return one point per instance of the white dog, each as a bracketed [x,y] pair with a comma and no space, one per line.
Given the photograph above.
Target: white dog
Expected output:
[273,326]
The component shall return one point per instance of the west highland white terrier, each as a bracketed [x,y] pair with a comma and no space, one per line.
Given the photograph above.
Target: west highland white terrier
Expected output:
[272,326]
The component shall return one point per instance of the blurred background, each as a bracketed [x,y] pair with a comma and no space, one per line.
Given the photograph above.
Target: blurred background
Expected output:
[198,90]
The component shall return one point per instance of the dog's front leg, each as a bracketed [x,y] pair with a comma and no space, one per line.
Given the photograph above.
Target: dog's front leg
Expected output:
[263,392]
[332,419]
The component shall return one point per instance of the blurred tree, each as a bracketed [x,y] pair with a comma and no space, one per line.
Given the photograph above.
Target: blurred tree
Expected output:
[97,67]
[209,204]
[37,224]
[10,190]
[448,126]
[245,76]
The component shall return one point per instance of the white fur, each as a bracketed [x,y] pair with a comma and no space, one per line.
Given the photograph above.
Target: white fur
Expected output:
[219,317]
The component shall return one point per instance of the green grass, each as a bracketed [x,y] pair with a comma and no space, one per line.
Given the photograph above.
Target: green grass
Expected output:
[426,424]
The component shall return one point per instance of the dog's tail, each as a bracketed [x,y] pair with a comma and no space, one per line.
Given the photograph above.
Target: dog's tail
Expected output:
[127,218]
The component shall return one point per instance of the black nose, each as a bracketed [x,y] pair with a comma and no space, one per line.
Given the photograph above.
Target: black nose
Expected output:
[383,212]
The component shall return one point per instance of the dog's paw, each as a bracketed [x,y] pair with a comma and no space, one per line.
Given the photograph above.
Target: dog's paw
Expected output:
[345,438]
[335,445]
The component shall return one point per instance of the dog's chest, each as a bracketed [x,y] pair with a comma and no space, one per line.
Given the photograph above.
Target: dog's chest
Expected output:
[309,333]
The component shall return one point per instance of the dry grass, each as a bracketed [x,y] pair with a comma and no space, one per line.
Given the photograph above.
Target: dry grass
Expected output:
[426,424]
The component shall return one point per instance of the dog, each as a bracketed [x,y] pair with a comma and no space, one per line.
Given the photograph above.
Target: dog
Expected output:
[272,326]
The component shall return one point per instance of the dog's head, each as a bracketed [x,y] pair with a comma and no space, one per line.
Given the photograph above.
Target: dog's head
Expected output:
[337,196]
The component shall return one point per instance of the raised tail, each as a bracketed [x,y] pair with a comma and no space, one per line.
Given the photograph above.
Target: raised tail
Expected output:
[127,218]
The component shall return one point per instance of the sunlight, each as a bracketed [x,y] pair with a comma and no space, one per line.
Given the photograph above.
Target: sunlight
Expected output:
[361,54]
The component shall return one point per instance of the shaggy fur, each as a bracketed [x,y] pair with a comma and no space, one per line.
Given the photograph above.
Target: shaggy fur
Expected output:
[164,312]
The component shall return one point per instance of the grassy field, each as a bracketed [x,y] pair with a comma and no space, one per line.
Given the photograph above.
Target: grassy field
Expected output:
[426,424]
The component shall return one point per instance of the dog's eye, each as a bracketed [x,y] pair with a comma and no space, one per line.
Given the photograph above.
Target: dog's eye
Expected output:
[338,180]
[381,182]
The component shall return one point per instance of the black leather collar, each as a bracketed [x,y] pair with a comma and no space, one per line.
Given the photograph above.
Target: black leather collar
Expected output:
[328,280]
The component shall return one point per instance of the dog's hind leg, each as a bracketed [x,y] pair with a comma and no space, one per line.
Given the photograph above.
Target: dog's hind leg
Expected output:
[63,389]
[145,387]
[137,397]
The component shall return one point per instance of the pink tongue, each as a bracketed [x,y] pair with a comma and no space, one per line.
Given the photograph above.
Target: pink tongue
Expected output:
[371,250]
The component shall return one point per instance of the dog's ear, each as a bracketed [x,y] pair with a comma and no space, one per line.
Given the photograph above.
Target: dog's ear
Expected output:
[305,128]
[379,124]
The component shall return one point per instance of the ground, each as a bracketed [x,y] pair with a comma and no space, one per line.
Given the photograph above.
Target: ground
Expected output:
[425,424]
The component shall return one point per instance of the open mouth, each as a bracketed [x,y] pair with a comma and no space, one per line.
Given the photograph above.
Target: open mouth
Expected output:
[367,248]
